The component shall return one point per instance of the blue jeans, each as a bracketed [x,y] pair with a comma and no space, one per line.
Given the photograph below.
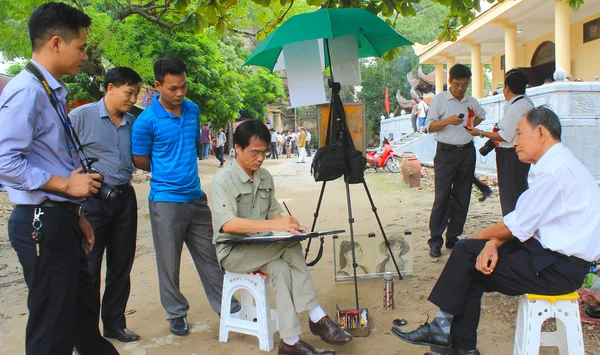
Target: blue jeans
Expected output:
[205,149]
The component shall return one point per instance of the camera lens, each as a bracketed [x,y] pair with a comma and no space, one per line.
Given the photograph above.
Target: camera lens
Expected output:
[108,192]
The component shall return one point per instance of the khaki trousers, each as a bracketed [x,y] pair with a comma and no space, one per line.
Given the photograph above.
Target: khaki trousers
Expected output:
[284,263]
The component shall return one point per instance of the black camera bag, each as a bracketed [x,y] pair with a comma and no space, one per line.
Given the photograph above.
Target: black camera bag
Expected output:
[329,163]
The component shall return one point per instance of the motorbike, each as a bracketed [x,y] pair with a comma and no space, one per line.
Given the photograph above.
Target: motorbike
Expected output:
[383,157]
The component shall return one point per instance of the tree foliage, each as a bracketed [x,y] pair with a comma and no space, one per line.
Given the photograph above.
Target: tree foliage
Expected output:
[217,80]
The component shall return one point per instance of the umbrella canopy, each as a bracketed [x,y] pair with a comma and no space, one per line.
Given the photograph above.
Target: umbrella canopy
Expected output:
[374,36]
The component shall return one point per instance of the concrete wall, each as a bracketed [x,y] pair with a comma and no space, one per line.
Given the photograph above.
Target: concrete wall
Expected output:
[577,105]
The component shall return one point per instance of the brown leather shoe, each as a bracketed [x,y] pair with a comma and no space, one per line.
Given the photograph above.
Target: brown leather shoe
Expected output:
[329,331]
[301,348]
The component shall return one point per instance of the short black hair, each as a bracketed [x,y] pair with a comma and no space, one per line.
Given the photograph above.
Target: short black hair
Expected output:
[121,76]
[545,117]
[460,71]
[55,19]
[168,65]
[248,129]
[516,81]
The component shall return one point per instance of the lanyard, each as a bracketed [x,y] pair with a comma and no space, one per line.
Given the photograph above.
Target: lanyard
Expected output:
[64,118]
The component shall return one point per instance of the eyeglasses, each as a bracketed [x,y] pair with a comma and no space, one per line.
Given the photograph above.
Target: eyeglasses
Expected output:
[460,86]
[256,153]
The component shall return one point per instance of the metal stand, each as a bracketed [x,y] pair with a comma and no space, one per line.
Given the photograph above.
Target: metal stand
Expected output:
[337,116]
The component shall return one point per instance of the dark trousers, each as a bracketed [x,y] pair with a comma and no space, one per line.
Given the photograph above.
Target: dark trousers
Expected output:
[274,154]
[512,178]
[519,270]
[115,229]
[219,154]
[413,119]
[454,171]
[481,186]
[308,148]
[61,299]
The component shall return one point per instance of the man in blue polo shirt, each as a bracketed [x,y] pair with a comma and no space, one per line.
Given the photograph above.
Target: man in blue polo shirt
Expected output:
[166,141]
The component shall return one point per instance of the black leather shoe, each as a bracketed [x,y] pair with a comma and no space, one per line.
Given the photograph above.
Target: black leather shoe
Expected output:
[329,331]
[435,252]
[487,193]
[427,334]
[123,335]
[179,326]
[435,350]
[301,348]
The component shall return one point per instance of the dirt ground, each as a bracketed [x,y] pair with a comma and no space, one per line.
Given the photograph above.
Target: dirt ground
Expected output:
[399,207]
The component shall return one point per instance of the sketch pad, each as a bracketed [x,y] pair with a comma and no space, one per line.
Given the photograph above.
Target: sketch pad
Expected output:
[279,238]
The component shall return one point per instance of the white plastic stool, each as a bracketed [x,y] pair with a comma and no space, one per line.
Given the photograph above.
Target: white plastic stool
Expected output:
[534,310]
[255,306]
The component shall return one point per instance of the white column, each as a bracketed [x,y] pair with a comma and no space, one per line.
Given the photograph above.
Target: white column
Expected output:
[440,79]
[477,70]
[510,47]
[562,35]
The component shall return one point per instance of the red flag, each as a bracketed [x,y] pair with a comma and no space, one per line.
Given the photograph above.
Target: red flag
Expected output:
[386,102]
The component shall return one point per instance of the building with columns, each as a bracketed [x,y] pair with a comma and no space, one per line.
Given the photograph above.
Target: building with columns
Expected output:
[537,36]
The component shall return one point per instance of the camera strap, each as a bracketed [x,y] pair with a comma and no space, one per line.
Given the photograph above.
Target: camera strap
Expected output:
[62,115]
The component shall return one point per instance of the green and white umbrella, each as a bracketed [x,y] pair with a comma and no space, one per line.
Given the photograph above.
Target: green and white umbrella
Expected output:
[373,36]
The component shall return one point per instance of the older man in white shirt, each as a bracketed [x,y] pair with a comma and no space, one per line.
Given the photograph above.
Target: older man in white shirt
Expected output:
[545,246]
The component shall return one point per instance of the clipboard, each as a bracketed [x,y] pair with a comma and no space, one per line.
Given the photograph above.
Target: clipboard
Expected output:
[279,238]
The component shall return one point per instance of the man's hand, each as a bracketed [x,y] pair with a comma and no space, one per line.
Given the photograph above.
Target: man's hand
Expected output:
[82,185]
[88,234]
[475,132]
[454,120]
[288,224]
[487,259]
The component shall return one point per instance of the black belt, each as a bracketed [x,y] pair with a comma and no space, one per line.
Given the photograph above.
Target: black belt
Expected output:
[450,147]
[71,207]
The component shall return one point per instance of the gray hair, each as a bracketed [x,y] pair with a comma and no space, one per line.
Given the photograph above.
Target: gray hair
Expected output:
[545,117]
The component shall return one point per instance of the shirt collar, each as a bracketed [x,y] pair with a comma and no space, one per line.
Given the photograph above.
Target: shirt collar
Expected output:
[239,171]
[58,86]
[160,111]
[450,97]
[103,112]
[547,157]
[237,168]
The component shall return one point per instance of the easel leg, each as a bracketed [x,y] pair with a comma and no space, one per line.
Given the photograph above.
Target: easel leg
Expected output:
[387,243]
[316,216]
[351,222]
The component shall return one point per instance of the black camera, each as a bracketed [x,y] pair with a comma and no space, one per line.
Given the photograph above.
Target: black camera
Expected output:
[106,191]
[487,147]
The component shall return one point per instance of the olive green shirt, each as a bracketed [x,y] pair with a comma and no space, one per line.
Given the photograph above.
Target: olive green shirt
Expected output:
[234,194]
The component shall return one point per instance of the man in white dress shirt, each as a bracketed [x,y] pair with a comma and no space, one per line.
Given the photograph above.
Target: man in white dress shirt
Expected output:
[545,246]
[512,173]
[454,162]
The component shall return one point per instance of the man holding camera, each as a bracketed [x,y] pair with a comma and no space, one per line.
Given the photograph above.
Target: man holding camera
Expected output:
[39,163]
[454,162]
[512,173]
[165,141]
[104,129]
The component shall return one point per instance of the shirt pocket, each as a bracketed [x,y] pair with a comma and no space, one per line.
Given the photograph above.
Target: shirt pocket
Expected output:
[244,205]
[264,193]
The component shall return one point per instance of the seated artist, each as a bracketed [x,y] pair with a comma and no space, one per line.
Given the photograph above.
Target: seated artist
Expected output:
[243,203]
[545,246]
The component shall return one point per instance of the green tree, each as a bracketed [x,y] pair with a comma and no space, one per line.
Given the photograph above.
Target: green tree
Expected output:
[260,89]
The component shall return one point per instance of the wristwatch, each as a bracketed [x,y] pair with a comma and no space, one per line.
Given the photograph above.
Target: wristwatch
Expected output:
[481,134]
